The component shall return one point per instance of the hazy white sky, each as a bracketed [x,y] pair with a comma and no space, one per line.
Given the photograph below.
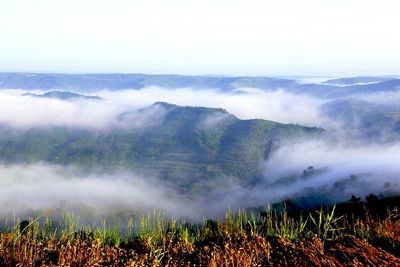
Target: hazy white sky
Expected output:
[244,37]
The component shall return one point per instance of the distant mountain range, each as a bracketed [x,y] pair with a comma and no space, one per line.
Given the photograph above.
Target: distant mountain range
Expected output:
[190,147]
[92,82]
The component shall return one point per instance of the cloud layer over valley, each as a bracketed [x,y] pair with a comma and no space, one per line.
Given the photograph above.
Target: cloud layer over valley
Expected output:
[351,157]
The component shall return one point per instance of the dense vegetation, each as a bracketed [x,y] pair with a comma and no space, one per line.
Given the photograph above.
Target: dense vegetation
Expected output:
[355,233]
[183,145]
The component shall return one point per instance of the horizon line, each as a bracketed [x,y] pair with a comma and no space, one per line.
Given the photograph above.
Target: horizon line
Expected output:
[287,76]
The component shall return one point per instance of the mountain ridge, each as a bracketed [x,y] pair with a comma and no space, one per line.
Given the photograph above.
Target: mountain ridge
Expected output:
[187,146]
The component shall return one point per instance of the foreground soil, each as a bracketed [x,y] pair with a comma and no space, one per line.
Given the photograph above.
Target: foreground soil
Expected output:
[246,251]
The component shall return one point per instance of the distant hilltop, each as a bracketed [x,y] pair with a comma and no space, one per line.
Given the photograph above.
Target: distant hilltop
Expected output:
[63,95]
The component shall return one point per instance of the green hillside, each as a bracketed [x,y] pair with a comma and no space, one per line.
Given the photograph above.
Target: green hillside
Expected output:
[190,147]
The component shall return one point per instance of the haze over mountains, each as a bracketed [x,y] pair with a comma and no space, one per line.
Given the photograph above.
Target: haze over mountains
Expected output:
[95,82]
[237,141]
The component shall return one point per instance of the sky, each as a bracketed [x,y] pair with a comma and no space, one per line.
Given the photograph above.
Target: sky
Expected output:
[224,37]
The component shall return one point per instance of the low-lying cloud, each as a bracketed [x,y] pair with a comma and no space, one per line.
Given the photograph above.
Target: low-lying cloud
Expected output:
[373,166]
[341,164]
[28,111]
[339,171]
[43,187]
[245,103]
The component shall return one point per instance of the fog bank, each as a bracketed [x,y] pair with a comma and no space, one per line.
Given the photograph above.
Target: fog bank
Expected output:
[342,162]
